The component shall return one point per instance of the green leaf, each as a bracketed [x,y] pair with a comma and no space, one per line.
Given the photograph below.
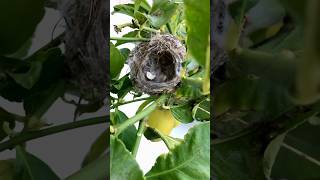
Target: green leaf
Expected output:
[189,160]
[129,34]
[98,147]
[96,170]
[182,113]
[28,79]
[29,167]
[129,135]
[198,26]
[271,153]
[251,94]
[116,61]
[39,102]
[300,151]
[238,157]
[250,153]
[129,9]
[6,169]
[18,23]
[52,71]
[161,12]
[125,53]
[201,111]
[123,165]
[122,86]
[189,90]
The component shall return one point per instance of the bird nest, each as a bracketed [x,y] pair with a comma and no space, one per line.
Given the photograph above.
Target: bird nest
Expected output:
[155,65]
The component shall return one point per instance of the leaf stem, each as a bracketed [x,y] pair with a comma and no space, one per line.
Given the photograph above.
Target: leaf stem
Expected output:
[129,39]
[26,136]
[151,29]
[128,102]
[129,122]
[142,126]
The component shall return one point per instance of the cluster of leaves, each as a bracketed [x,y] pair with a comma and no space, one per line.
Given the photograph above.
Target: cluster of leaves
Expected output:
[266,96]
[188,158]
[36,81]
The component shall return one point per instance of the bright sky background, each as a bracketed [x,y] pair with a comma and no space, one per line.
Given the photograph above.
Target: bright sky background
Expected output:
[148,151]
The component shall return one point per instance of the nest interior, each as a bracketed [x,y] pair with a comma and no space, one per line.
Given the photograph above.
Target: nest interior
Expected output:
[161,66]
[155,65]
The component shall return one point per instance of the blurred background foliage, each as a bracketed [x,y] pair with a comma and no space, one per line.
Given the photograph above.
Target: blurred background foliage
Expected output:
[37,80]
[266,93]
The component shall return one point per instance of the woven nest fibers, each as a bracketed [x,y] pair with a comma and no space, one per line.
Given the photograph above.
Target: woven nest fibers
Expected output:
[155,65]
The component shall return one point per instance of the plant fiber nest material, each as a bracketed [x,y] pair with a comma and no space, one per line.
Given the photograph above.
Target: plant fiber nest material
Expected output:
[155,65]
[86,46]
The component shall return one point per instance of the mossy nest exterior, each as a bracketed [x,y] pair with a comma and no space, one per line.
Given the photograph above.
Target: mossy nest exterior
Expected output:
[155,65]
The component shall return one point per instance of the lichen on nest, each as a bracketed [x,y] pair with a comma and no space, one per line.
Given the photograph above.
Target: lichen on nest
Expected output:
[155,65]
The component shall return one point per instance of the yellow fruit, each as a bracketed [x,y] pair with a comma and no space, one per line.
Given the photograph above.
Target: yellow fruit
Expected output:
[162,120]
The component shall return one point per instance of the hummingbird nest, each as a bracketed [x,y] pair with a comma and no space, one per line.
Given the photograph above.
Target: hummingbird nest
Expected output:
[86,46]
[155,65]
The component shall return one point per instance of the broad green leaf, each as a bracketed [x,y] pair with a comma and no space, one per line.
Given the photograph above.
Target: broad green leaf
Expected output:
[6,116]
[128,137]
[39,102]
[116,61]
[198,26]
[11,64]
[130,34]
[28,79]
[125,53]
[201,111]
[52,71]
[122,86]
[18,23]
[161,12]
[189,90]
[182,113]
[129,9]
[251,94]
[189,160]
[238,157]
[98,147]
[123,165]
[96,170]
[29,167]
[300,151]
[6,169]
[271,153]
[250,153]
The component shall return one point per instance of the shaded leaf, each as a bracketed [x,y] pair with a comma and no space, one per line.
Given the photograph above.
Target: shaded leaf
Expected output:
[98,147]
[251,94]
[123,165]
[29,167]
[39,102]
[96,170]
[6,169]
[15,17]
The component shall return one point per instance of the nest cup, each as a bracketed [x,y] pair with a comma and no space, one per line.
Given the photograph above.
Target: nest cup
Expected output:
[155,65]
